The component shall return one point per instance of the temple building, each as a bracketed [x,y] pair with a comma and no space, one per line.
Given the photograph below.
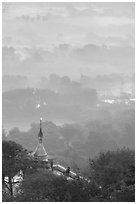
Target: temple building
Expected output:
[46,161]
[40,152]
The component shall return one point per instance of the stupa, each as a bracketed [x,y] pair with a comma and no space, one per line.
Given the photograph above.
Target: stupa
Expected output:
[40,152]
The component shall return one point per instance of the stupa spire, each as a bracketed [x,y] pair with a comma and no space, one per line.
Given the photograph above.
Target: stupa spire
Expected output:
[40,135]
[40,151]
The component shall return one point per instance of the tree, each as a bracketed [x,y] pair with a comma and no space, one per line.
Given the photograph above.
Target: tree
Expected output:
[111,178]
[14,159]
[114,173]
[45,186]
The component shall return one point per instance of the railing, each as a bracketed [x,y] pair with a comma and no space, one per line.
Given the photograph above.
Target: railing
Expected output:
[71,174]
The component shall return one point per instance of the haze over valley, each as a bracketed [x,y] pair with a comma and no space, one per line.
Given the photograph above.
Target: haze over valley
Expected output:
[73,64]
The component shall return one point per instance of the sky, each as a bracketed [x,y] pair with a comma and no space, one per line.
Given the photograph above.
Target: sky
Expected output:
[68,39]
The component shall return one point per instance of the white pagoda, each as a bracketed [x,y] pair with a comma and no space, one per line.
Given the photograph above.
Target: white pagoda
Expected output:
[40,152]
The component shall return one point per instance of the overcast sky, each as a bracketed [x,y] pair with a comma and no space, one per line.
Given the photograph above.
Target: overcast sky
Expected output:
[68,38]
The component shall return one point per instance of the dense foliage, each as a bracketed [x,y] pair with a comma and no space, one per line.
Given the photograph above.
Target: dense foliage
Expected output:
[114,172]
[14,159]
[111,175]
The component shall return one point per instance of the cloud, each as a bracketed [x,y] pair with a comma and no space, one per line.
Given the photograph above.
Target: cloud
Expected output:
[66,38]
[52,23]
[69,60]
[10,82]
